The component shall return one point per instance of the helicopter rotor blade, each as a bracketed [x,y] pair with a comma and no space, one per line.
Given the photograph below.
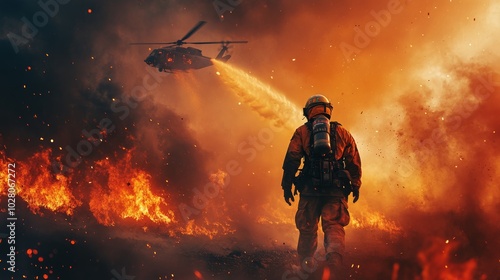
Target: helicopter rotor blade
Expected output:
[235,42]
[178,42]
[217,42]
[194,43]
[156,43]
[193,30]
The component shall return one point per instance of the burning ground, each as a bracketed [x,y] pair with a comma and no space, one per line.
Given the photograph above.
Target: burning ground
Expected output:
[181,181]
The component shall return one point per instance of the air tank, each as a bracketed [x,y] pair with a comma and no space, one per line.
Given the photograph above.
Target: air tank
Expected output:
[321,135]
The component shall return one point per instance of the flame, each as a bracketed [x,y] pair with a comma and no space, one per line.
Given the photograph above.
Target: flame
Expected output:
[436,263]
[118,192]
[215,220]
[41,189]
[375,220]
[128,194]
[4,161]
[274,215]
[207,228]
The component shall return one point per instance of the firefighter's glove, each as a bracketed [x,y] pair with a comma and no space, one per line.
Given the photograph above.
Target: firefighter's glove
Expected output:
[288,195]
[355,193]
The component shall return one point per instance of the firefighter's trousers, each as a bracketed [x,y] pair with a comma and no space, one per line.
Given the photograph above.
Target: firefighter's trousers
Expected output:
[334,216]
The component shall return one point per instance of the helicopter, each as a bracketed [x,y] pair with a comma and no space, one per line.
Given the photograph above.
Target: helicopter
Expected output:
[175,57]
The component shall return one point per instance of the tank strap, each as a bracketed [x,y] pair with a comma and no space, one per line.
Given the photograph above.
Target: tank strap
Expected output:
[311,137]
[333,137]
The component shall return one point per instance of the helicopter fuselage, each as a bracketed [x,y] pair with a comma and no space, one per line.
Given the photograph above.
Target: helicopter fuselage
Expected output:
[172,58]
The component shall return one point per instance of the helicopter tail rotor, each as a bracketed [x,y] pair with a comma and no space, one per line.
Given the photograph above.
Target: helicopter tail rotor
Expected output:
[224,49]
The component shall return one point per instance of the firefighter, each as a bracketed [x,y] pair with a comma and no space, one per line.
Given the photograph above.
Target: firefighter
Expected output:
[331,171]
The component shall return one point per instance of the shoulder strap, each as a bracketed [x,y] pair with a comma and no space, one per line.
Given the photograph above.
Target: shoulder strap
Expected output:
[310,129]
[333,137]
[309,126]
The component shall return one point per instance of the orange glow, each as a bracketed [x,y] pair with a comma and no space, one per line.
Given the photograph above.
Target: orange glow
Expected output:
[326,273]
[437,264]
[395,271]
[198,274]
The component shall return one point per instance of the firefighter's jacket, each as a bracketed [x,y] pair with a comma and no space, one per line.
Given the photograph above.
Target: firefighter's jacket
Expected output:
[300,147]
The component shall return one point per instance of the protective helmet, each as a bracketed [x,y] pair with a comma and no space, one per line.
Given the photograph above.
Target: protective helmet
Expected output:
[316,105]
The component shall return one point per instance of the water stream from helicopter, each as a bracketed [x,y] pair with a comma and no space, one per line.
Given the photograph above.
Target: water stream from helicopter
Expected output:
[260,97]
